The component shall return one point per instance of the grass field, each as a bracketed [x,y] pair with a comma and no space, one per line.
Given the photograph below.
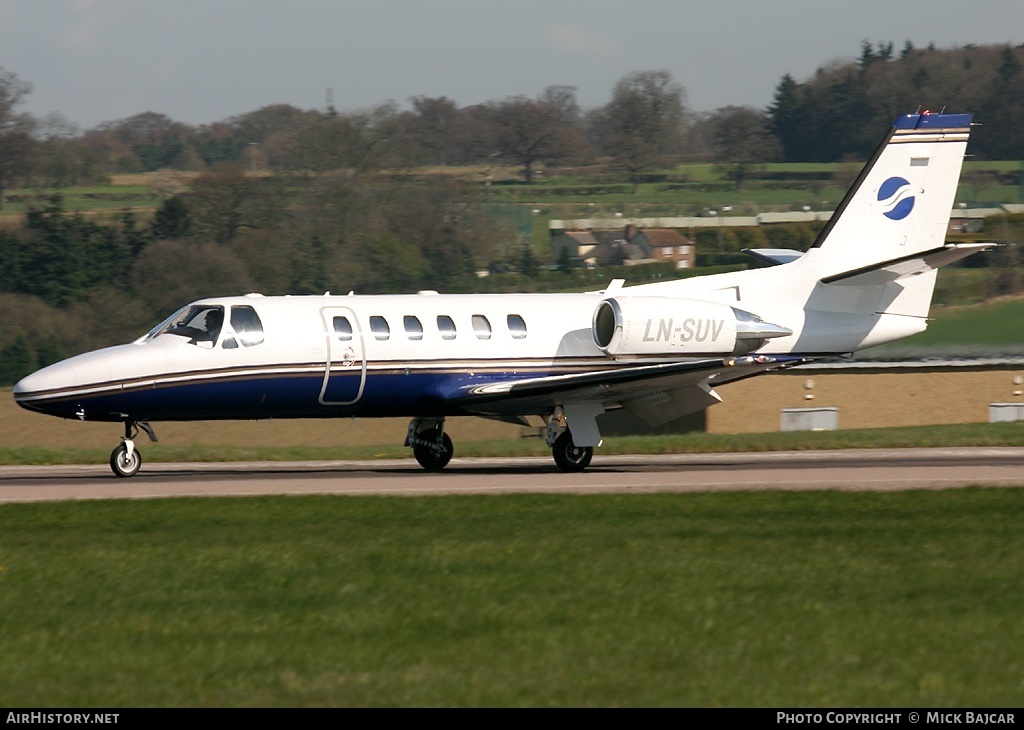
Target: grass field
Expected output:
[688,189]
[998,322]
[760,599]
[983,329]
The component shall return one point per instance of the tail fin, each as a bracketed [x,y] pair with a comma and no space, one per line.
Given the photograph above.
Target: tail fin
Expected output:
[899,206]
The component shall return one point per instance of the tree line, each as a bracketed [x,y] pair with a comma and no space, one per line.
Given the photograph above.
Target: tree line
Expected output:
[837,113]
[833,116]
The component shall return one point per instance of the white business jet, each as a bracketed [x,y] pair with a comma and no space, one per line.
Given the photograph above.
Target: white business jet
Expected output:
[658,350]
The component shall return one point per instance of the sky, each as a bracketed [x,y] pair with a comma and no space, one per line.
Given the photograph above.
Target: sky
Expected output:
[203,61]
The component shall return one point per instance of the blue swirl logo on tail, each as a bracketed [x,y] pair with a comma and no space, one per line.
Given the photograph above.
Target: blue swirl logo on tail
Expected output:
[895,195]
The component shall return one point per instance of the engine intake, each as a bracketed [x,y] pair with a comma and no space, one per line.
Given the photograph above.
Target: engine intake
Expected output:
[624,326]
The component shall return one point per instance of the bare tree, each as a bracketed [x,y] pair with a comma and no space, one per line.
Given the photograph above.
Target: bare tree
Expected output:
[148,141]
[642,122]
[12,93]
[742,141]
[529,131]
[17,147]
[561,100]
[221,202]
[433,126]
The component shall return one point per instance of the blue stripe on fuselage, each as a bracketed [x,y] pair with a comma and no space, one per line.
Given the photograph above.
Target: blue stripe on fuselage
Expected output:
[386,394]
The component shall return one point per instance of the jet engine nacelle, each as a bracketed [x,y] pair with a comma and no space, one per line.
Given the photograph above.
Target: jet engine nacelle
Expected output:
[625,326]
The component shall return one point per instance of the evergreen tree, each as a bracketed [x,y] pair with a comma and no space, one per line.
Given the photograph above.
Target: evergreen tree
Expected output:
[1009,65]
[528,265]
[785,116]
[172,220]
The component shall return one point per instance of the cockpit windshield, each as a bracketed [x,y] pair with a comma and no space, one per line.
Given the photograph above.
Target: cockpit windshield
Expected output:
[203,325]
[198,322]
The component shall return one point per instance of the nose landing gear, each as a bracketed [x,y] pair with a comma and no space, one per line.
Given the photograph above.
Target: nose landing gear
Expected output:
[125,460]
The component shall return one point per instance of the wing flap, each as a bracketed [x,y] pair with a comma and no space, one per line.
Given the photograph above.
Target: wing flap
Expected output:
[663,406]
[656,393]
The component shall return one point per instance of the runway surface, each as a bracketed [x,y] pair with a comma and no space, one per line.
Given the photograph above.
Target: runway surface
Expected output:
[867,469]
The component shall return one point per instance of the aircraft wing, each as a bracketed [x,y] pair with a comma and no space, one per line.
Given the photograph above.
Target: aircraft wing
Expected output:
[655,393]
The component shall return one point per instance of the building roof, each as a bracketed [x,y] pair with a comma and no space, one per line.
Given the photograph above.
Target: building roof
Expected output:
[795,216]
[583,238]
[663,237]
[611,253]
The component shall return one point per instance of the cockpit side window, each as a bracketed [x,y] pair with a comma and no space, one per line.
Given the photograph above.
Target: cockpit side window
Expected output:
[247,325]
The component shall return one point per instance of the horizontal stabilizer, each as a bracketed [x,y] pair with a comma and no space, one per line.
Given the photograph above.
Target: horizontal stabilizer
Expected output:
[774,256]
[912,265]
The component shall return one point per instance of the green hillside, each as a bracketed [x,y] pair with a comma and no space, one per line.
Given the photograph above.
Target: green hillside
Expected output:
[992,328]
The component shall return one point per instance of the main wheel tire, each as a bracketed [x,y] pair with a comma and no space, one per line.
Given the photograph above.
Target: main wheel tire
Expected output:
[569,456]
[123,466]
[431,455]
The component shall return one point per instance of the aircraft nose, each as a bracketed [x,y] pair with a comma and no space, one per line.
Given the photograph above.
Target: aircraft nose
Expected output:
[34,392]
[52,377]
[48,390]
[66,388]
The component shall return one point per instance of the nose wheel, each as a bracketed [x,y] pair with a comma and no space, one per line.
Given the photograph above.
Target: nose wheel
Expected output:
[125,459]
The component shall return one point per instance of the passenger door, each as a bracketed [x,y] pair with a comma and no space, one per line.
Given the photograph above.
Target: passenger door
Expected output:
[345,373]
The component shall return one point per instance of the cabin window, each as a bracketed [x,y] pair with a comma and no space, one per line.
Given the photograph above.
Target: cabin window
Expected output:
[343,328]
[446,326]
[481,327]
[413,328]
[379,327]
[517,326]
[247,325]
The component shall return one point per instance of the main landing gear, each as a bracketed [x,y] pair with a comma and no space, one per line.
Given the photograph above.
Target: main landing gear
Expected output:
[431,446]
[433,449]
[125,459]
[568,456]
